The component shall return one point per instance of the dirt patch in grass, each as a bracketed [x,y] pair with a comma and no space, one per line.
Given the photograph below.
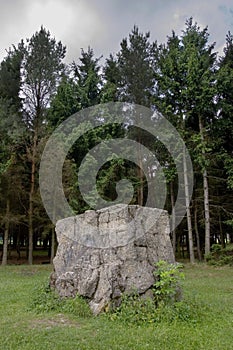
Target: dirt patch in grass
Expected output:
[56,321]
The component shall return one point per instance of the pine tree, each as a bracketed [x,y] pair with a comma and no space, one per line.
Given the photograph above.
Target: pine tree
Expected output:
[186,96]
[11,131]
[41,72]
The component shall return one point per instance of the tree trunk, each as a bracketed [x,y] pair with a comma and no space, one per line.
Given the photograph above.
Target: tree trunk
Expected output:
[197,235]
[207,213]
[31,197]
[188,211]
[53,236]
[206,195]
[6,234]
[18,245]
[173,230]
[52,253]
[140,174]
[178,246]
[223,244]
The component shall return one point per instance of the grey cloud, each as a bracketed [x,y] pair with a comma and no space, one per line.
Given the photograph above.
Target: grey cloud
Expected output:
[102,24]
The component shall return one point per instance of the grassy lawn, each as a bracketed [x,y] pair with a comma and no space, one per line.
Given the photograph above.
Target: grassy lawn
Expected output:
[21,328]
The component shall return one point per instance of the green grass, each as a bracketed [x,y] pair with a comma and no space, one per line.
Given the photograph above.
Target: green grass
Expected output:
[22,328]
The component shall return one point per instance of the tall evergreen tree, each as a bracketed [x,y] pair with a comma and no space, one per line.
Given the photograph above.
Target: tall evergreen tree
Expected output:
[10,137]
[186,96]
[136,83]
[223,127]
[111,80]
[88,79]
[41,72]
[200,95]
[135,61]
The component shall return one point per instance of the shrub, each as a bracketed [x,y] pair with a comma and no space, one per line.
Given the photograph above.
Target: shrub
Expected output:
[134,309]
[166,292]
[219,256]
[167,288]
[138,311]
[45,299]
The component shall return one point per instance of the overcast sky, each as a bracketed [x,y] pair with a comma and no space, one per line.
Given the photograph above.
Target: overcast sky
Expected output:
[102,24]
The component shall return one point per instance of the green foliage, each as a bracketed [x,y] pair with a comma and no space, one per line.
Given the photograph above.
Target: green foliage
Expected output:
[45,299]
[228,164]
[4,166]
[134,309]
[10,79]
[143,311]
[66,101]
[77,306]
[168,282]
[162,306]
[135,63]
[87,77]
[219,256]
[41,70]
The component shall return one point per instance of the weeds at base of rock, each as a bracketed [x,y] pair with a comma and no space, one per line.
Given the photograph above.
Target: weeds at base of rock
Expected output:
[166,305]
[45,299]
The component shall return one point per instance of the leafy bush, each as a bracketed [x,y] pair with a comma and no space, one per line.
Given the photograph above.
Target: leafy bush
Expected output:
[164,303]
[134,309]
[167,288]
[219,256]
[45,299]
[137,310]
